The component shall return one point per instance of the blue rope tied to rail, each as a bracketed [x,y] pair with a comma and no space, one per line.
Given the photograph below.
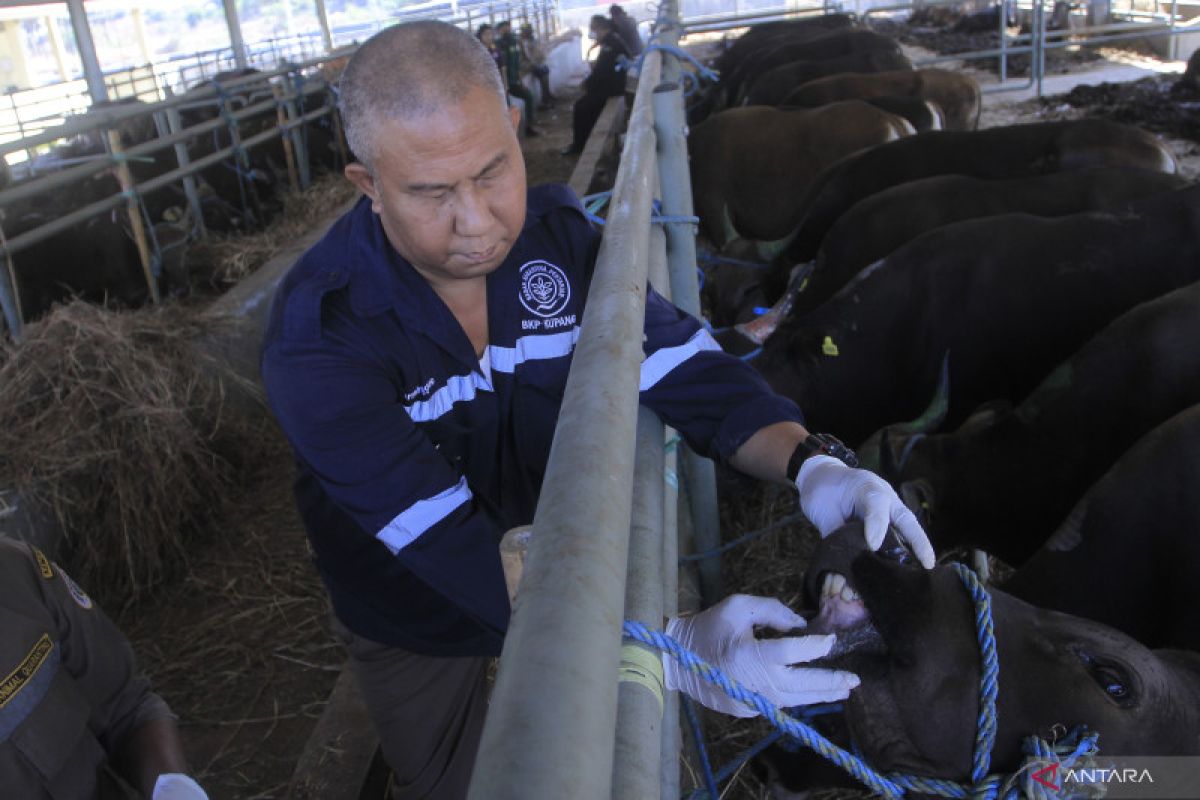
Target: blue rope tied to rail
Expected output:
[593,203]
[704,72]
[1039,753]
[241,158]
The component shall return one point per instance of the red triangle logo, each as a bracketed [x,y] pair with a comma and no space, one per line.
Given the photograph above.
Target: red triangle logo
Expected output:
[1047,776]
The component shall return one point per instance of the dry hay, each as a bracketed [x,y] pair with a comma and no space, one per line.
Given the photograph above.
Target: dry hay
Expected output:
[239,646]
[117,426]
[225,260]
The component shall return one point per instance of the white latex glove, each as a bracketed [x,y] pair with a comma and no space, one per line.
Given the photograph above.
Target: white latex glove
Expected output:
[724,637]
[177,786]
[832,493]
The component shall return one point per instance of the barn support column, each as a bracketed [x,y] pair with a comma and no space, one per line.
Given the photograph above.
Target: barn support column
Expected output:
[56,46]
[236,42]
[671,128]
[139,30]
[550,730]
[87,51]
[14,67]
[323,20]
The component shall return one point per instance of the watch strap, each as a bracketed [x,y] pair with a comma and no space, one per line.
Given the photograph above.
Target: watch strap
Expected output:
[822,444]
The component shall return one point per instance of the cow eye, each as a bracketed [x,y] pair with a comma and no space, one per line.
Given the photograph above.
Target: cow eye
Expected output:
[1110,677]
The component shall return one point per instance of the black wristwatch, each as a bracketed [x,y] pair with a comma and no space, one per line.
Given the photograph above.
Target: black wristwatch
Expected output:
[819,444]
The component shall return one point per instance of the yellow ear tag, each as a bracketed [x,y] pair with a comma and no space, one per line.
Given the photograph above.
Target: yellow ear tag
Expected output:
[828,347]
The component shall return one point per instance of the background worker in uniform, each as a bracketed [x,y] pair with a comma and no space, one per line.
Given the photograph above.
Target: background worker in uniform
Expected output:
[416,359]
[607,79]
[73,704]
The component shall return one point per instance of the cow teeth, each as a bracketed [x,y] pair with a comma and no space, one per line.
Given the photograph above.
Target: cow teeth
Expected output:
[827,585]
[848,594]
[836,585]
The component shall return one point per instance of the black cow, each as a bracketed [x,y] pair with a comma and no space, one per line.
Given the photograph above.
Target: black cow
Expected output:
[1006,298]
[883,222]
[1129,378]
[742,84]
[766,35]
[1011,151]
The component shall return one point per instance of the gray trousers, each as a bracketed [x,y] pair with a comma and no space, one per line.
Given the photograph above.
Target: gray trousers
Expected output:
[427,710]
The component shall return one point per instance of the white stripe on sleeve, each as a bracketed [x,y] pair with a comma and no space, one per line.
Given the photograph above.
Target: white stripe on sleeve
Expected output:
[662,361]
[422,515]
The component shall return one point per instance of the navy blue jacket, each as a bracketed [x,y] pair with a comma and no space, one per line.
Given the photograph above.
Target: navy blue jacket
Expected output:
[412,461]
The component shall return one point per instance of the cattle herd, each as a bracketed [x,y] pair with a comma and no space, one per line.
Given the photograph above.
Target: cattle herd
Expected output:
[98,259]
[1005,321]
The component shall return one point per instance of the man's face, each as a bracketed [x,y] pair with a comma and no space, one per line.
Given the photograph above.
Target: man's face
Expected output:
[449,187]
[502,30]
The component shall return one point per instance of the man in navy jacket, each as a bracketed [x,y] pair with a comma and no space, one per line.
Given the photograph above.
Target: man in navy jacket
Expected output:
[416,358]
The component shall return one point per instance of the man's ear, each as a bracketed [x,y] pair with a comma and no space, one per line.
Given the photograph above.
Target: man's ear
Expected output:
[361,177]
[514,114]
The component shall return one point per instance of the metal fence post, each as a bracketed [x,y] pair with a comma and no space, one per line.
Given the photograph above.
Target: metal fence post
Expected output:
[550,729]
[671,128]
[174,126]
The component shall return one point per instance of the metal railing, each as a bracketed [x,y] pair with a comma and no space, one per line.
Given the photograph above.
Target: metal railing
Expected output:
[288,91]
[29,112]
[296,92]
[560,723]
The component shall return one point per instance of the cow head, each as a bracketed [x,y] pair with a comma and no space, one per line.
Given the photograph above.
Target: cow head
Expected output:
[910,635]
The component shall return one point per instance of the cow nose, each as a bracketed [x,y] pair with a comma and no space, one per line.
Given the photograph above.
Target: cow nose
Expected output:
[894,549]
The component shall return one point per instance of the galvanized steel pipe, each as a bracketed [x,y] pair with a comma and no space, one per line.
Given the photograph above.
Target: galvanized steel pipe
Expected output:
[670,125]
[551,725]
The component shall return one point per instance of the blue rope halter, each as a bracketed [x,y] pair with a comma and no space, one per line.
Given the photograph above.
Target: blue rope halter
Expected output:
[1077,745]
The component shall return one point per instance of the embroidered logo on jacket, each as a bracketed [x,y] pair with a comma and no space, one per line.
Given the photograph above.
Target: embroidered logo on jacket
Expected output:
[544,288]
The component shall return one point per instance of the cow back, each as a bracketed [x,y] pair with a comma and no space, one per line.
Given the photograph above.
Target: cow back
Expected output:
[1005,152]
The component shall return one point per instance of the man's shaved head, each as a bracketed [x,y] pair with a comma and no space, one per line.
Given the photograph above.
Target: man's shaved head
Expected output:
[410,70]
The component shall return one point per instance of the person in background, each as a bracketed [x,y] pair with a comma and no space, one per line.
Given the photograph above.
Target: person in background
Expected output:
[487,35]
[626,28]
[533,57]
[607,79]
[510,58]
[74,706]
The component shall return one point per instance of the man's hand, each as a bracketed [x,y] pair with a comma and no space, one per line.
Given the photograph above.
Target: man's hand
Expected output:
[832,493]
[177,786]
[724,637]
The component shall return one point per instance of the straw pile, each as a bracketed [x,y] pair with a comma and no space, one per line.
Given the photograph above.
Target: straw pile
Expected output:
[226,260]
[117,426]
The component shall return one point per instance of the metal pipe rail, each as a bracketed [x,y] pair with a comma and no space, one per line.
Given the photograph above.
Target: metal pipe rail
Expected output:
[550,729]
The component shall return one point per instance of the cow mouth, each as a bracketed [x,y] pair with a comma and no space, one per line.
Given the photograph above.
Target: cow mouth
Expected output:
[841,611]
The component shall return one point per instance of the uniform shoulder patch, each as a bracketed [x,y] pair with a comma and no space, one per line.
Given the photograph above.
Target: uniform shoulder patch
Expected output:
[43,563]
[77,594]
[13,682]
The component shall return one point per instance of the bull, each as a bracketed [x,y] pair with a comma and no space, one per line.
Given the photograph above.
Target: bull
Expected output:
[1010,151]
[957,94]
[737,190]
[1130,377]
[1005,299]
